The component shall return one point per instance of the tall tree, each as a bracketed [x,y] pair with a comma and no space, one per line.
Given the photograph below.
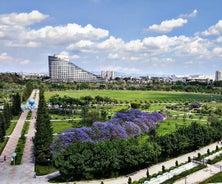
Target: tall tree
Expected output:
[43,136]
[7,113]
[2,128]
[16,104]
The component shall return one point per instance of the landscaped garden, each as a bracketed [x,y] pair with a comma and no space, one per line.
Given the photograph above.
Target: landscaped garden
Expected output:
[84,119]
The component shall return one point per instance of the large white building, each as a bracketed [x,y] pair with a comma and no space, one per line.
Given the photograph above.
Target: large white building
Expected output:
[62,70]
[218,75]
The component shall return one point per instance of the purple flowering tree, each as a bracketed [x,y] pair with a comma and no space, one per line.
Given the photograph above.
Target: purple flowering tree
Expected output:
[130,123]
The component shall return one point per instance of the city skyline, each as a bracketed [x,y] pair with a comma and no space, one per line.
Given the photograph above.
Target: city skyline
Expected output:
[133,37]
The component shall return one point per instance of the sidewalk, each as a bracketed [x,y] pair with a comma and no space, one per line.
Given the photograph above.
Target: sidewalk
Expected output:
[20,173]
[201,175]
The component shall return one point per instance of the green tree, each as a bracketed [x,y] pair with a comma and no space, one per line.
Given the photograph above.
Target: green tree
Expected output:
[16,104]
[7,113]
[43,135]
[2,128]
[129,180]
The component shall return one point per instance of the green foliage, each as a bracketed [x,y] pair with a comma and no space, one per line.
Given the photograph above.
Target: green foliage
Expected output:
[89,117]
[104,159]
[44,169]
[187,138]
[19,150]
[2,128]
[2,144]
[43,136]
[16,104]
[135,105]
[27,91]
[129,180]
[7,113]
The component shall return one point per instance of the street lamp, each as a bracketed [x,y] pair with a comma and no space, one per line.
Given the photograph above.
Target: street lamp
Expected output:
[48,163]
[13,157]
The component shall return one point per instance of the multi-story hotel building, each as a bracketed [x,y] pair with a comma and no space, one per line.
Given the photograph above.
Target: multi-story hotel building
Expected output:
[218,75]
[62,70]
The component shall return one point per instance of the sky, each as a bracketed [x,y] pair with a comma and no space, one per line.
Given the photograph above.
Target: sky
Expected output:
[133,37]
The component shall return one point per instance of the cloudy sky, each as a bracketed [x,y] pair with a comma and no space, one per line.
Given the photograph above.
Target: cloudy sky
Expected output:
[129,36]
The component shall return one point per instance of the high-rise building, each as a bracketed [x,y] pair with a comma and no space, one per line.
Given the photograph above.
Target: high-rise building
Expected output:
[62,70]
[218,75]
[108,75]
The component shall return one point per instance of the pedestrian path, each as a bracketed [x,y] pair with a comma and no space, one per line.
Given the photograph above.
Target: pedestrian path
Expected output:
[20,174]
[202,175]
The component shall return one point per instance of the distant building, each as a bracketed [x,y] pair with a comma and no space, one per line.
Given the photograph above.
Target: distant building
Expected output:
[62,70]
[218,75]
[190,78]
[108,75]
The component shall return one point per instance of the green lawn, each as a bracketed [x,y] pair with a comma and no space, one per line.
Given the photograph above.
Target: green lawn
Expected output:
[11,128]
[127,95]
[59,126]
[169,125]
[156,107]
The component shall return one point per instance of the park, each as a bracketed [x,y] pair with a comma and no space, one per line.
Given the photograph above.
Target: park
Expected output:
[72,110]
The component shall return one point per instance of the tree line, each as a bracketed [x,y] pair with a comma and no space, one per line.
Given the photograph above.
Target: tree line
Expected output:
[9,110]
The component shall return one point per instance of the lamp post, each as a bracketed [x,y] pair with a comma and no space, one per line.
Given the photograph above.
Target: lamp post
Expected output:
[48,163]
[13,157]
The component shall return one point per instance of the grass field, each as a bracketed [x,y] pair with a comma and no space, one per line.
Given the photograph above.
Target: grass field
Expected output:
[127,95]
[60,126]
[170,125]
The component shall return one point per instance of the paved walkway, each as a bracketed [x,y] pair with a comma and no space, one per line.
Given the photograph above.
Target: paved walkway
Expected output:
[20,174]
[202,175]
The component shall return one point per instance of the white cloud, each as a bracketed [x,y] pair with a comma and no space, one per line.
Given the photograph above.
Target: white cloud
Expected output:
[5,56]
[167,25]
[134,45]
[113,56]
[219,39]
[213,30]
[190,15]
[82,46]
[217,51]
[74,56]
[25,62]
[126,70]
[111,43]
[22,19]
[67,33]
[14,30]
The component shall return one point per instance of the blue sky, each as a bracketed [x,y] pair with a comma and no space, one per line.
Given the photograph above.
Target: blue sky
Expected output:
[143,37]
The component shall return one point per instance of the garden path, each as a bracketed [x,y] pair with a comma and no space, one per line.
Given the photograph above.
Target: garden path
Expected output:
[23,173]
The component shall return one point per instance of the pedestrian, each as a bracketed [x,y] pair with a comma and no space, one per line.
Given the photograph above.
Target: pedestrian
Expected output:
[4,158]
